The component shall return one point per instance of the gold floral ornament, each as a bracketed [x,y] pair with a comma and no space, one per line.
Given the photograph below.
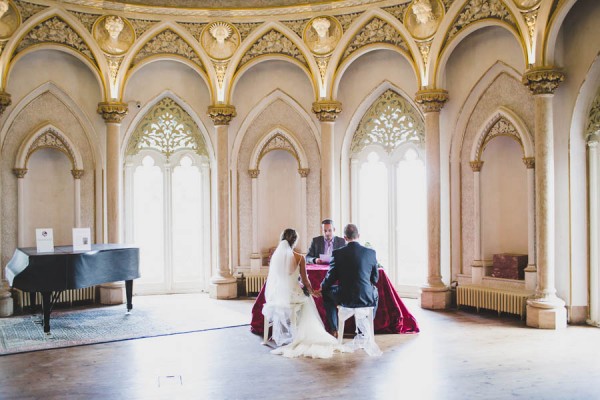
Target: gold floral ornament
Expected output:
[322,34]
[114,34]
[9,19]
[423,18]
[220,40]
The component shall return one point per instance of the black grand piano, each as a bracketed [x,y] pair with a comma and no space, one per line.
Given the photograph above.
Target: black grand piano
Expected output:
[51,273]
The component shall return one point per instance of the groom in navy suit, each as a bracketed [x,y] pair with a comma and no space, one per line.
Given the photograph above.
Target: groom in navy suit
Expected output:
[355,268]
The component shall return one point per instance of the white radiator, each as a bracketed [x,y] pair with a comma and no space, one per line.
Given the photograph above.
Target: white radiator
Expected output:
[70,297]
[254,283]
[501,300]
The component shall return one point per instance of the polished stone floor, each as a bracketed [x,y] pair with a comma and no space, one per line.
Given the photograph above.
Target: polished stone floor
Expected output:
[457,355]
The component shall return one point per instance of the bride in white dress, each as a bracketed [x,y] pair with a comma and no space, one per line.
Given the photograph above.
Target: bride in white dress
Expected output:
[283,295]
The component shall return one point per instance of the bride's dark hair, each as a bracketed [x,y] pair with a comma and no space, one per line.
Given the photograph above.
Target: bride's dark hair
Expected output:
[290,235]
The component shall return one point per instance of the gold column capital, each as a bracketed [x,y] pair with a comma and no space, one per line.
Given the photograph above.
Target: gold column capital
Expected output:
[5,101]
[431,100]
[476,165]
[529,162]
[112,111]
[543,80]
[221,114]
[303,172]
[20,172]
[77,173]
[327,110]
[254,173]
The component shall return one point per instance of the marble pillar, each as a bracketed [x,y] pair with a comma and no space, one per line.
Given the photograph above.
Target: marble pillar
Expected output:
[594,198]
[223,284]
[434,294]
[6,301]
[531,270]
[327,112]
[544,309]
[113,113]
[77,174]
[477,267]
[255,257]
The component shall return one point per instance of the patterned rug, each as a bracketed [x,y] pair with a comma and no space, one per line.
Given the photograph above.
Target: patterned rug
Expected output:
[151,316]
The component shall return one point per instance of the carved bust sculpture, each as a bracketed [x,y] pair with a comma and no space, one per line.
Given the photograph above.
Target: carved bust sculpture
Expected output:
[9,19]
[322,34]
[423,17]
[113,34]
[220,40]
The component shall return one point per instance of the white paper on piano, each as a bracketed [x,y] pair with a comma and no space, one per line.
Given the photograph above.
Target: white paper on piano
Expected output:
[82,239]
[44,239]
[326,258]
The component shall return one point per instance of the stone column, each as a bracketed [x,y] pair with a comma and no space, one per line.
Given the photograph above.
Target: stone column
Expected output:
[594,198]
[531,270]
[223,285]
[113,113]
[434,295]
[255,257]
[304,203]
[327,111]
[477,268]
[77,174]
[6,301]
[545,309]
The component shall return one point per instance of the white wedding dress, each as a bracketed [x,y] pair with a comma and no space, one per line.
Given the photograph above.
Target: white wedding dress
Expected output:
[283,295]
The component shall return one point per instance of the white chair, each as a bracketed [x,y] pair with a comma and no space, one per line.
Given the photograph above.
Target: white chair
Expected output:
[293,318]
[365,329]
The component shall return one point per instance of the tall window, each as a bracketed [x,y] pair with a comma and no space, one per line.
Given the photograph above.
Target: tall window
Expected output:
[168,202]
[388,188]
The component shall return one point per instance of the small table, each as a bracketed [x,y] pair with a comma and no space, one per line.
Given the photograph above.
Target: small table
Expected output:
[392,315]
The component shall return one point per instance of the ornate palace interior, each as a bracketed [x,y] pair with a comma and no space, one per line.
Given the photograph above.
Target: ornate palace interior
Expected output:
[459,135]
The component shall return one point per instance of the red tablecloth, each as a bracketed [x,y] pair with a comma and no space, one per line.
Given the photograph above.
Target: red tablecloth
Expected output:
[392,315]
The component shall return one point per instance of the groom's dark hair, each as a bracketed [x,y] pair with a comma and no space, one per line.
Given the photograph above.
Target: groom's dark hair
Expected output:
[327,221]
[351,232]
[290,235]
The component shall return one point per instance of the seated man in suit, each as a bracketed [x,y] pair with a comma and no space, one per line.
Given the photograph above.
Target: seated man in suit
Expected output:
[324,244]
[355,268]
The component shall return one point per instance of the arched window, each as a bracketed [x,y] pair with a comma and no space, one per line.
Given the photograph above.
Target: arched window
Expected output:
[168,201]
[388,188]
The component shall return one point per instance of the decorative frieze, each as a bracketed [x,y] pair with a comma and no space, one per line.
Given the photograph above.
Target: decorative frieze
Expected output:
[424,48]
[5,101]
[476,10]
[390,122]
[376,31]
[86,19]
[246,29]
[53,140]
[140,26]
[543,80]
[397,10]
[55,30]
[273,42]
[327,110]
[347,19]
[431,100]
[167,42]
[167,128]
[112,111]
[593,125]
[499,127]
[297,26]
[531,20]
[27,10]
[221,114]
[194,29]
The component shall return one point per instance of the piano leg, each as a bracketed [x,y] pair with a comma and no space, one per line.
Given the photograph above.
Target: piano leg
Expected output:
[47,308]
[129,294]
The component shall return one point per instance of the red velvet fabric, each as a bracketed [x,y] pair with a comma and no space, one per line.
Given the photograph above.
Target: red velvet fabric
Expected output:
[392,315]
